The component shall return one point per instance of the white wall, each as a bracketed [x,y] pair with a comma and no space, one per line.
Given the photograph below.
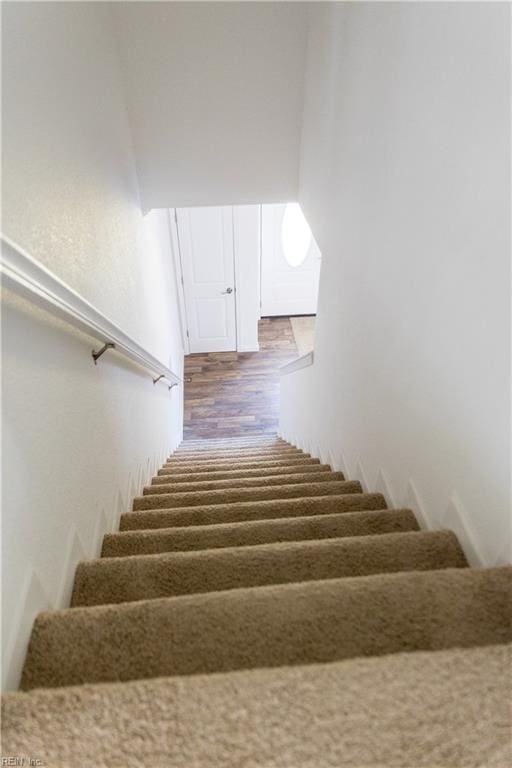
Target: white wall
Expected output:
[405,182]
[78,440]
[246,229]
[215,98]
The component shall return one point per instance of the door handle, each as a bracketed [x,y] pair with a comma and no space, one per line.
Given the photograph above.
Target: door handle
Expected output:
[228,290]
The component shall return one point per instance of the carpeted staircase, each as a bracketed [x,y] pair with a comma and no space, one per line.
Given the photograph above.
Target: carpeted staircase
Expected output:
[257,609]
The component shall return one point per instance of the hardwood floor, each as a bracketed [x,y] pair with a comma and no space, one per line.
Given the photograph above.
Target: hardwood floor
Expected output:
[228,394]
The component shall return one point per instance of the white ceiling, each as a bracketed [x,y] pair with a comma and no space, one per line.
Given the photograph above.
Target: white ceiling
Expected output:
[215,97]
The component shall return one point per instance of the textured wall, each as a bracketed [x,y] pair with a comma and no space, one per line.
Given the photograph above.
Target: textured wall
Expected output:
[405,182]
[78,440]
[215,98]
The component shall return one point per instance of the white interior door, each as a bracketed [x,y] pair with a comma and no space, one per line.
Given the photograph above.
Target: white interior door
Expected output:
[207,260]
[290,262]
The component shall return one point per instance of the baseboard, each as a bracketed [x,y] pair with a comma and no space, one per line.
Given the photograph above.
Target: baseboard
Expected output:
[413,501]
[360,475]
[33,599]
[75,551]
[456,519]
[455,516]
[382,485]
[33,596]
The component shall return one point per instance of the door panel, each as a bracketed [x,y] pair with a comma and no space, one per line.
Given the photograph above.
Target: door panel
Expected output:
[285,289]
[207,260]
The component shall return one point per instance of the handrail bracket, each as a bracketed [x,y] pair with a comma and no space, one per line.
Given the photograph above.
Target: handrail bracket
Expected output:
[100,352]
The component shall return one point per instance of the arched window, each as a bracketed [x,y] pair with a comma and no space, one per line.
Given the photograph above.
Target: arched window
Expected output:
[295,235]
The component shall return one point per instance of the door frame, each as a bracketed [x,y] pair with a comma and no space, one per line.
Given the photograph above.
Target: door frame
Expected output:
[178,271]
[180,283]
[244,303]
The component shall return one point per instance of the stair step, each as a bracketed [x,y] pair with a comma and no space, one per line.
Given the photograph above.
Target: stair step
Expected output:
[235,453]
[165,476]
[208,484]
[238,449]
[144,577]
[233,464]
[251,510]
[230,442]
[453,705]
[246,553]
[232,450]
[257,532]
[229,495]
[271,626]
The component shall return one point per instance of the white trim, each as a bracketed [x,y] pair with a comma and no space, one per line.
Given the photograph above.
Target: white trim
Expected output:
[74,552]
[382,486]
[360,475]
[176,255]
[32,599]
[29,278]
[456,519]
[412,500]
[236,268]
[300,362]
[239,311]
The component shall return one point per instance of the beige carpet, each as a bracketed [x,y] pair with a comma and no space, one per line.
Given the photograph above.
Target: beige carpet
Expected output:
[189,642]
[443,709]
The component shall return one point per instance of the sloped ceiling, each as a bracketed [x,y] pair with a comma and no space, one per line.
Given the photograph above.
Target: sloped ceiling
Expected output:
[215,96]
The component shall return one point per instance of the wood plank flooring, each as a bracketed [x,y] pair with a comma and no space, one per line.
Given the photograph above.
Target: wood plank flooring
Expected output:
[228,394]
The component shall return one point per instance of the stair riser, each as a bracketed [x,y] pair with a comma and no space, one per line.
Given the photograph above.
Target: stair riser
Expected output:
[254,533]
[170,500]
[119,580]
[199,477]
[251,628]
[238,512]
[242,482]
[229,464]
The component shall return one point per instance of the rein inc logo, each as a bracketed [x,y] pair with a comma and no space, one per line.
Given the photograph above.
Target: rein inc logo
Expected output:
[13,760]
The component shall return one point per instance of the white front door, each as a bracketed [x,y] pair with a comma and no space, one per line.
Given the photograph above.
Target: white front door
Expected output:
[207,261]
[290,262]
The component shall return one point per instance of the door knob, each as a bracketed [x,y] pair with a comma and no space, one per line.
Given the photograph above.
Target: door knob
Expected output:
[228,290]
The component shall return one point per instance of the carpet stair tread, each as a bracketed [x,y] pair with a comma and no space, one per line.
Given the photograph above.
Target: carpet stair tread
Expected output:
[235,453]
[228,495]
[265,509]
[271,626]
[345,713]
[141,577]
[257,606]
[195,445]
[164,476]
[257,532]
[228,463]
[208,484]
